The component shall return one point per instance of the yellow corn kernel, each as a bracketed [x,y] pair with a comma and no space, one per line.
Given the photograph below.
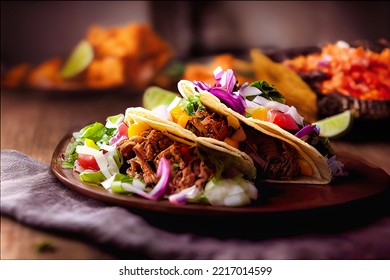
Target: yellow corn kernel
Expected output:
[260,113]
[305,167]
[233,122]
[183,119]
[231,142]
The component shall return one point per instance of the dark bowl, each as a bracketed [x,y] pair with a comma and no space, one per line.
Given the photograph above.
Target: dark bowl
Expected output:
[334,103]
[371,117]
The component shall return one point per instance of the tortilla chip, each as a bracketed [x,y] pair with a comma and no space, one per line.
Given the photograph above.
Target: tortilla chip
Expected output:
[46,75]
[106,72]
[15,76]
[116,41]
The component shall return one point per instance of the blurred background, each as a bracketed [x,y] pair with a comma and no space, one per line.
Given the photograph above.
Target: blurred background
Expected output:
[132,45]
[36,30]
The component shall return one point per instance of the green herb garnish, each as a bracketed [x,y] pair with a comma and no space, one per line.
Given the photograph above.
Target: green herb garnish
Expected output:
[192,104]
[269,91]
[45,246]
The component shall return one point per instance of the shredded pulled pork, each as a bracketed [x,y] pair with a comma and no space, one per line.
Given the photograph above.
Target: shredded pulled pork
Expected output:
[143,154]
[274,158]
[206,124]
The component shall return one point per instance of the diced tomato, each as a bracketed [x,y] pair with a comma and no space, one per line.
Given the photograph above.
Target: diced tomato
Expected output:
[281,119]
[355,72]
[88,162]
[122,130]
[185,152]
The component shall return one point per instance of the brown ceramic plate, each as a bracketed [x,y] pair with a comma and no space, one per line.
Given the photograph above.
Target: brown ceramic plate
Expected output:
[363,182]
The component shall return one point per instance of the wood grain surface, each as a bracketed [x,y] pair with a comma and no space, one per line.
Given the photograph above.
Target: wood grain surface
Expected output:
[35,122]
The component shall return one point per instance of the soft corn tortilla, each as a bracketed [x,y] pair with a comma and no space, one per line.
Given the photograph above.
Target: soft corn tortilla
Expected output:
[321,173]
[214,148]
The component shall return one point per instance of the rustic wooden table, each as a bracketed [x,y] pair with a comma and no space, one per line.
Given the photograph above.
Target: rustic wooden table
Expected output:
[34,123]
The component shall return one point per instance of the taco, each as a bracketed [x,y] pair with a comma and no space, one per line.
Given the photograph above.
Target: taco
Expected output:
[138,154]
[254,119]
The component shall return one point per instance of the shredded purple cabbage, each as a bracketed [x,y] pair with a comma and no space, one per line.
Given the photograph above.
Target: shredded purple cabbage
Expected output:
[202,85]
[225,82]
[336,167]
[308,130]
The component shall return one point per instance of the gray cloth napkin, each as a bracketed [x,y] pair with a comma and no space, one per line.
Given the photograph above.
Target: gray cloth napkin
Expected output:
[32,195]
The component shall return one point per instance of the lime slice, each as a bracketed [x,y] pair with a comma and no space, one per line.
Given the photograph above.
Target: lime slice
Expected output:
[79,59]
[336,125]
[155,96]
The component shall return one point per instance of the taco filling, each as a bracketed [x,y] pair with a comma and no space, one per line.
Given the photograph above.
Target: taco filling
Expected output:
[275,159]
[142,155]
[206,124]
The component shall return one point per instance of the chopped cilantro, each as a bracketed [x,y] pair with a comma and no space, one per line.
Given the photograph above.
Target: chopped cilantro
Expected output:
[45,246]
[269,91]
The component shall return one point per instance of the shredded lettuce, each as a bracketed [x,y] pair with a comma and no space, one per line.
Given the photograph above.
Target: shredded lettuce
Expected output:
[95,177]
[114,121]
[70,155]
[94,131]
[97,132]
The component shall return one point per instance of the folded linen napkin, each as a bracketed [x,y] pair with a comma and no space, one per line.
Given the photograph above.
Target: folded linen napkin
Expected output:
[32,195]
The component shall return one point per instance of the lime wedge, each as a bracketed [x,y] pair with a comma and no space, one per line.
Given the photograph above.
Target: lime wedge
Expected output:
[336,125]
[79,59]
[155,96]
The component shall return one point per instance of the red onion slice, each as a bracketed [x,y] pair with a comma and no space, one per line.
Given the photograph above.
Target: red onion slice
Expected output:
[163,171]
[308,129]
